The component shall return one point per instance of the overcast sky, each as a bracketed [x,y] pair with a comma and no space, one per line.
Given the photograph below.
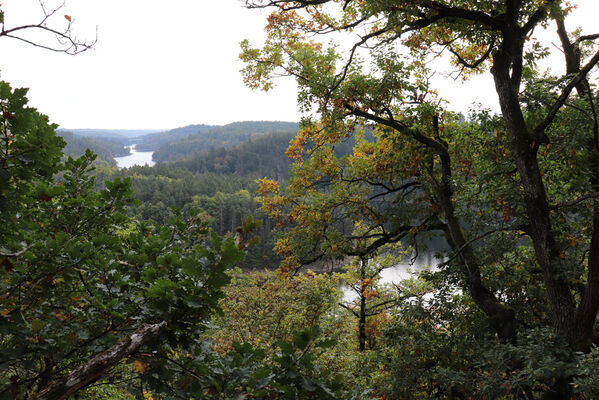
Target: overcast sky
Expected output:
[166,64]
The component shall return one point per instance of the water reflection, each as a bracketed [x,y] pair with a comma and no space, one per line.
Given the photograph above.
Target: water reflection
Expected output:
[135,158]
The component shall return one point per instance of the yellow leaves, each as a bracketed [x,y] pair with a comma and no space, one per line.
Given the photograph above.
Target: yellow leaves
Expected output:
[370,293]
[57,281]
[140,366]
[5,312]
[327,163]
[362,153]
[384,145]
[60,316]
[289,264]
[267,187]
[147,395]
[271,201]
[282,246]
[296,147]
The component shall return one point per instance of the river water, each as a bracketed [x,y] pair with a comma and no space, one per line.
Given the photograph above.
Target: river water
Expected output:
[135,158]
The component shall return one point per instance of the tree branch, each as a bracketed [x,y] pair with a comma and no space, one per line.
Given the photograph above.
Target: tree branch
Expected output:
[67,42]
[82,376]
[539,130]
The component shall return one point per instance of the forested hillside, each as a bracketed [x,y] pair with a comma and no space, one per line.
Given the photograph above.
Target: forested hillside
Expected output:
[257,157]
[218,137]
[106,147]
[220,183]
[153,141]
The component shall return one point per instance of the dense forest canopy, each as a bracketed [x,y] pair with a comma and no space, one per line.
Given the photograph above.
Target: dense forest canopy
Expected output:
[154,141]
[217,137]
[125,283]
[222,182]
[105,148]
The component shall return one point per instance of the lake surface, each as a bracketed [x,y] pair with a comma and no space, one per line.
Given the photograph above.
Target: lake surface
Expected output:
[393,275]
[135,158]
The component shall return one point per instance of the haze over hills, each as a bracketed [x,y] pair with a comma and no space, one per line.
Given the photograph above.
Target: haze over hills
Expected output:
[218,177]
[153,141]
[111,133]
[175,144]
[215,137]
[106,147]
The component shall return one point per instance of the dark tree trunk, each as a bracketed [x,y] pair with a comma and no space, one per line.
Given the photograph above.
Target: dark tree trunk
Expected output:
[362,318]
[501,317]
[589,304]
[524,149]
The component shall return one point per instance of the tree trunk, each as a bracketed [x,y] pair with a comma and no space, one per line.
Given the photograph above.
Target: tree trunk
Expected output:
[362,319]
[86,374]
[501,317]
[589,304]
[524,148]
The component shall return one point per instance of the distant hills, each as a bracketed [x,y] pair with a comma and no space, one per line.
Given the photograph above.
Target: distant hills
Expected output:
[255,157]
[110,133]
[106,147]
[192,143]
[180,143]
[154,141]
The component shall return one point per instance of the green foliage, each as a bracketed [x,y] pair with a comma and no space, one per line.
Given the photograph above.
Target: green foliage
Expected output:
[281,304]
[78,274]
[586,382]
[224,200]
[512,196]
[244,373]
[256,157]
[30,149]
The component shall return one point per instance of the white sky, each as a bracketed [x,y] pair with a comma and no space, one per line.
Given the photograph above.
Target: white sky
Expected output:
[162,65]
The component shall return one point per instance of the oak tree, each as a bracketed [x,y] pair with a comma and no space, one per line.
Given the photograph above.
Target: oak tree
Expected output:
[514,196]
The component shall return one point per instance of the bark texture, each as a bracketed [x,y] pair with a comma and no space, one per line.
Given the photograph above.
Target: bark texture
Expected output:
[69,384]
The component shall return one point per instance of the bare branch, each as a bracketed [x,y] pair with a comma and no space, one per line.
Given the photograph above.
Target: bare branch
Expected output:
[16,254]
[587,38]
[285,5]
[350,310]
[67,42]
[459,251]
